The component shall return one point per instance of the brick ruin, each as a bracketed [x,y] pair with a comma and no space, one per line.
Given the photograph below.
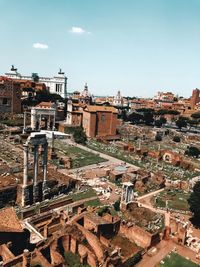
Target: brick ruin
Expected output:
[96,239]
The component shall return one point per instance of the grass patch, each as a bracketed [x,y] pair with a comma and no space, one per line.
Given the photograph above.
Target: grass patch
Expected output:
[177,200]
[80,157]
[93,203]
[73,260]
[175,260]
[87,194]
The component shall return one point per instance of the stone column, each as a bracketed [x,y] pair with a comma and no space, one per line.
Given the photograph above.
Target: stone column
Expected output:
[40,119]
[35,185]
[52,140]
[25,177]
[45,157]
[45,188]
[126,195]
[24,128]
[33,118]
[35,165]
[54,120]
[25,191]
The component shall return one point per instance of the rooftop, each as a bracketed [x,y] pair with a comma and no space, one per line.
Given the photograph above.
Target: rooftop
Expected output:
[100,108]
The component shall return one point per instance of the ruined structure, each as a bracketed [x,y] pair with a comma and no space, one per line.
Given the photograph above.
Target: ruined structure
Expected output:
[127,194]
[10,96]
[34,143]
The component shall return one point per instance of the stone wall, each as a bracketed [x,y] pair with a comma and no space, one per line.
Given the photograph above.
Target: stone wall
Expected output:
[8,195]
[139,236]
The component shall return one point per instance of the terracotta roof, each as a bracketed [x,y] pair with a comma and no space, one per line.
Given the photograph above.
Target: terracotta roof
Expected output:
[9,221]
[100,108]
[45,104]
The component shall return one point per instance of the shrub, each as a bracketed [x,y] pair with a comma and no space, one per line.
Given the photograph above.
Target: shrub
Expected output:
[158,137]
[176,139]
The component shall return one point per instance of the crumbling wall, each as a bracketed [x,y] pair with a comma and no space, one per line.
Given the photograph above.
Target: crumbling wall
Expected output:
[138,235]
[94,242]
[8,195]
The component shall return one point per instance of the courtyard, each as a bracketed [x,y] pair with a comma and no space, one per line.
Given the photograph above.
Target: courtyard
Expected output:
[172,199]
[80,157]
[175,260]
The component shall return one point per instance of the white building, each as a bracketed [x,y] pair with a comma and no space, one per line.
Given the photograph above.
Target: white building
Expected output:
[55,85]
[118,100]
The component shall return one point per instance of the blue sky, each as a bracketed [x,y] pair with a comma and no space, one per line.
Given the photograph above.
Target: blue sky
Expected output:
[136,46]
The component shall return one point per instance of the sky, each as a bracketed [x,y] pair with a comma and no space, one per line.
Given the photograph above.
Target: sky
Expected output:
[136,46]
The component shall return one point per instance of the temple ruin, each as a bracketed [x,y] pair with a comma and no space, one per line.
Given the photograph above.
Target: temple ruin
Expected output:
[36,144]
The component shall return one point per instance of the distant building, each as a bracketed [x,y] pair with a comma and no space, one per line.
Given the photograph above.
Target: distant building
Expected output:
[55,85]
[85,97]
[164,96]
[100,121]
[195,98]
[76,103]
[74,114]
[118,100]
[10,96]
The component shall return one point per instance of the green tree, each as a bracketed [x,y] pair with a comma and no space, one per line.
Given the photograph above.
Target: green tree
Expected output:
[163,120]
[135,118]
[181,122]
[79,135]
[160,122]
[116,205]
[193,202]
[193,152]
[124,115]
[196,115]
[158,137]
[35,77]
[193,123]
[148,118]
[176,139]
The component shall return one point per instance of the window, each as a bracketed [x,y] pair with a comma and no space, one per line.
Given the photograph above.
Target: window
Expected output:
[58,88]
[5,101]
[103,118]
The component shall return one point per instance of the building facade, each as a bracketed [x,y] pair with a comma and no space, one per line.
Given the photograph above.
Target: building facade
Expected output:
[55,85]
[10,96]
[100,121]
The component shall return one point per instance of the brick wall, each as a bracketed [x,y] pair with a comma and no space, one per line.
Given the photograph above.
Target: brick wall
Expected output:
[10,97]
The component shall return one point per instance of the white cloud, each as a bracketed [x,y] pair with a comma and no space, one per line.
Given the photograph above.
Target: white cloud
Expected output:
[78,30]
[40,46]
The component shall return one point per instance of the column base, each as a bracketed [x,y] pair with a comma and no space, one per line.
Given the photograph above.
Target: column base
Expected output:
[25,196]
[45,190]
[36,193]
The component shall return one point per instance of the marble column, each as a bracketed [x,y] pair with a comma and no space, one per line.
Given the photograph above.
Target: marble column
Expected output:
[25,177]
[33,119]
[48,122]
[40,119]
[24,128]
[45,157]
[35,151]
[54,121]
